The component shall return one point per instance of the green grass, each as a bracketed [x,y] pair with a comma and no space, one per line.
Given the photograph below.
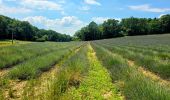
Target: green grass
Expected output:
[78,71]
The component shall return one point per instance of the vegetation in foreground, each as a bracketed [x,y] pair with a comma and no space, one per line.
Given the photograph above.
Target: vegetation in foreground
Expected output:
[132,68]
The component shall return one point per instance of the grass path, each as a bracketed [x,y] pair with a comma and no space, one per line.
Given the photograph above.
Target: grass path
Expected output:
[97,85]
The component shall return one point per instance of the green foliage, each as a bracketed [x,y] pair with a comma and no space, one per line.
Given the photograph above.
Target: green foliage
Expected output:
[165,23]
[110,28]
[91,32]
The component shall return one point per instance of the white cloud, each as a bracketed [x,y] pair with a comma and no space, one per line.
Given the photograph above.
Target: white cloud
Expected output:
[99,20]
[161,15]
[12,10]
[148,8]
[92,2]
[41,4]
[68,24]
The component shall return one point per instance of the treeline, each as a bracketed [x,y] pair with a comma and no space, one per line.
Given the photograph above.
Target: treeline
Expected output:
[126,27]
[23,30]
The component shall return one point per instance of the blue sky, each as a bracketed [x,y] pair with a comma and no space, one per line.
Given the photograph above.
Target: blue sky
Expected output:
[68,16]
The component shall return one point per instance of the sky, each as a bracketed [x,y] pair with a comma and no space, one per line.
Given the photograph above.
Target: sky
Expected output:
[68,16]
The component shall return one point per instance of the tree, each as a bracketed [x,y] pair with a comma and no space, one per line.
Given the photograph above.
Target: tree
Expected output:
[90,32]
[165,23]
[135,26]
[93,31]
[110,28]
[154,26]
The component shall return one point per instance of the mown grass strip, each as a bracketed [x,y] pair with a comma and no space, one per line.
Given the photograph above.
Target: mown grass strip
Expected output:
[96,85]
[133,84]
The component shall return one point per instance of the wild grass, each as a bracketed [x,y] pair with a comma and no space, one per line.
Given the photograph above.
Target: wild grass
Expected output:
[133,84]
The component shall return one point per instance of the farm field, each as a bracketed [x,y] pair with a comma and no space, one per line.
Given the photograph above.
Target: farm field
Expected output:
[127,68]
